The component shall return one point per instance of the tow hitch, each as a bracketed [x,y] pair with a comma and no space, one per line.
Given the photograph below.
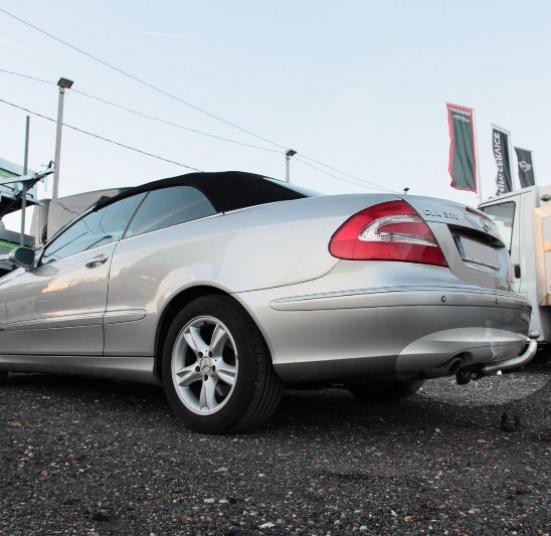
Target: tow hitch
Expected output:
[465,375]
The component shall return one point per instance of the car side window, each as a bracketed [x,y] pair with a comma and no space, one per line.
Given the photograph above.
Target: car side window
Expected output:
[95,229]
[169,206]
[503,215]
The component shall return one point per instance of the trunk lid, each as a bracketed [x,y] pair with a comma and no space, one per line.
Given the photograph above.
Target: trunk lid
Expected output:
[469,240]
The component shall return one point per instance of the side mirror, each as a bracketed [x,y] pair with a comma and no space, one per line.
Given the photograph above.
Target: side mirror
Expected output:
[23,257]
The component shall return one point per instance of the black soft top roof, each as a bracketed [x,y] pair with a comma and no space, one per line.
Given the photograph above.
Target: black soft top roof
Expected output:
[226,190]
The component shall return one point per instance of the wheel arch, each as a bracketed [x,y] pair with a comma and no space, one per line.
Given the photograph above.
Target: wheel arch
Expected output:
[175,305]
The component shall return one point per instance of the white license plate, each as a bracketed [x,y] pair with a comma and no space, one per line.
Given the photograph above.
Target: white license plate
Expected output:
[476,252]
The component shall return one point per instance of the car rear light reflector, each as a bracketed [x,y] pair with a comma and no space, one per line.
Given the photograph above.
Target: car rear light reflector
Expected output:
[391,231]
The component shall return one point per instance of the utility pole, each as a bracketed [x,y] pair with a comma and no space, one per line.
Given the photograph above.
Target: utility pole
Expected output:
[63,84]
[288,156]
[25,170]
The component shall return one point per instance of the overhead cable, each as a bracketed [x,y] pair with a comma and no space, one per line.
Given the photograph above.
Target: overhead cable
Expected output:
[171,95]
[100,137]
[142,114]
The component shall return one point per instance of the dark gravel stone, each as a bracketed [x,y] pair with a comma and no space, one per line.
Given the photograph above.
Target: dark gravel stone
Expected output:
[102,515]
[92,457]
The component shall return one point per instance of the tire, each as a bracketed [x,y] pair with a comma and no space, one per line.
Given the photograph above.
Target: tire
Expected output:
[3,377]
[218,383]
[384,392]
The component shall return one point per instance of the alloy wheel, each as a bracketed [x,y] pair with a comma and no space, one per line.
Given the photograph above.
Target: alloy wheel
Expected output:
[204,365]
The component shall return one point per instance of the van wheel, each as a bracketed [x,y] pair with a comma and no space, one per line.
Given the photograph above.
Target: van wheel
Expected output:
[383,392]
[3,377]
[217,371]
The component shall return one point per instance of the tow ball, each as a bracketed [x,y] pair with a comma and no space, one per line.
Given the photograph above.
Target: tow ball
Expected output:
[465,375]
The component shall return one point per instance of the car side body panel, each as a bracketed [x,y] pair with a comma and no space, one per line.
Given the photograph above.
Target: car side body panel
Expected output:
[260,247]
[57,308]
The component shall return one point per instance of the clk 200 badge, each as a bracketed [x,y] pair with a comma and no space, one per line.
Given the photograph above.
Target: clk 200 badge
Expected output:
[441,214]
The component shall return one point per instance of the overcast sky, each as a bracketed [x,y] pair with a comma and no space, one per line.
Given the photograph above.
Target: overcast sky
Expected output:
[360,85]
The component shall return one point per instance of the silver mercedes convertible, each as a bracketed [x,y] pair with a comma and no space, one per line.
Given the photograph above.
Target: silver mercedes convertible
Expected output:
[224,287]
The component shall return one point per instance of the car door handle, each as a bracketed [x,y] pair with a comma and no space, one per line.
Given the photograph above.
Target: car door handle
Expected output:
[96,261]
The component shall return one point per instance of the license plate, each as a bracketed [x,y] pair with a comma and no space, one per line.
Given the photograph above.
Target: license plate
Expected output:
[475,252]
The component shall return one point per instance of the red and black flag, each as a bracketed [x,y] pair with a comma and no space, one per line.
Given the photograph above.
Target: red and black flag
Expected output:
[462,165]
[525,167]
[500,146]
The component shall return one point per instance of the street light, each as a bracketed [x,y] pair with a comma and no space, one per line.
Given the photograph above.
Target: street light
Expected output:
[63,84]
[288,156]
[25,189]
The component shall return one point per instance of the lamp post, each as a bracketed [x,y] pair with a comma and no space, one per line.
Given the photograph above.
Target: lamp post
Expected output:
[288,156]
[24,192]
[63,84]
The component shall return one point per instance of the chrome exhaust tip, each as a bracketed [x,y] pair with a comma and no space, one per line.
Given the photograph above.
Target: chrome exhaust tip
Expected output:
[449,368]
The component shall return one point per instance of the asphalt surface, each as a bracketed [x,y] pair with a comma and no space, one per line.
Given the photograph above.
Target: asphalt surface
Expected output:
[93,457]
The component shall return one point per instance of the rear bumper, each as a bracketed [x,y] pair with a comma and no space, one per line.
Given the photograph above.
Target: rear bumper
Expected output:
[392,332]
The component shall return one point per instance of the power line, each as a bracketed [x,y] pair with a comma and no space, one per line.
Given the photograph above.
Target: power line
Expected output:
[302,158]
[144,115]
[146,153]
[364,181]
[152,155]
[176,125]
[100,137]
[175,97]
[139,80]
[360,182]
[305,163]
[28,76]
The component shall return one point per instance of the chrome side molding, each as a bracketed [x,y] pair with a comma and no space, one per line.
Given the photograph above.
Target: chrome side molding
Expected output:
[134,369]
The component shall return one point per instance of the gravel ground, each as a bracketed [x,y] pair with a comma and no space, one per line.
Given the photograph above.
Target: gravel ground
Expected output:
[92,457]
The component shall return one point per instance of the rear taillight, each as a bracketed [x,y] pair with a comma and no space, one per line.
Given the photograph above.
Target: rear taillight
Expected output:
[390,231]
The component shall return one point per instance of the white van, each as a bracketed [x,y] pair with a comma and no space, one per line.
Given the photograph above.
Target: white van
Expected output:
[524,221]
